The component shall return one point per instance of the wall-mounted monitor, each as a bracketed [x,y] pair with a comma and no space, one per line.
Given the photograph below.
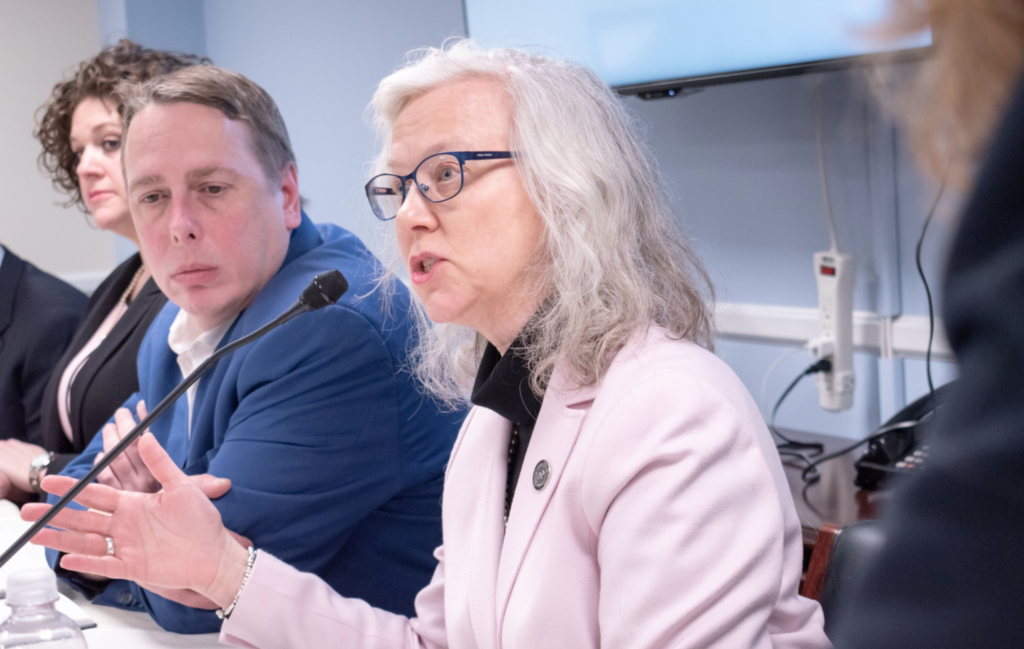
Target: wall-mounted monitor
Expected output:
[649,47]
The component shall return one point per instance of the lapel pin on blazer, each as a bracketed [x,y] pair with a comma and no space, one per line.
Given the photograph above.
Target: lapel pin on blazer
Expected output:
[540,475]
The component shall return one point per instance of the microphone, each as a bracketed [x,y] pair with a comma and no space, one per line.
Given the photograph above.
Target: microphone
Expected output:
[324,290]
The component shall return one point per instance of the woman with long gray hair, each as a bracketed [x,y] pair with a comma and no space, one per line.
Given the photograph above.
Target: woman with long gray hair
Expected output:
[614,485]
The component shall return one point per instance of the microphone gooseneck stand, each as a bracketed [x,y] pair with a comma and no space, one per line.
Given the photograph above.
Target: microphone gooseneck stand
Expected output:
[323,290]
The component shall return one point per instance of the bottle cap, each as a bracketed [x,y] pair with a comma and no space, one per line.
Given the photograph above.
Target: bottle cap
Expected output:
[31,587]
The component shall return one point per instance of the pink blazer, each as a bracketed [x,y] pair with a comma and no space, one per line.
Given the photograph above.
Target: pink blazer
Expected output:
[663,519]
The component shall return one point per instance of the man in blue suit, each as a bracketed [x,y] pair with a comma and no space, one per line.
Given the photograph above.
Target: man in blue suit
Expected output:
[335,456]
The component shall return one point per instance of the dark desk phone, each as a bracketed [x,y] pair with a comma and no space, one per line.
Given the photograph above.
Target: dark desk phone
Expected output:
[901,450]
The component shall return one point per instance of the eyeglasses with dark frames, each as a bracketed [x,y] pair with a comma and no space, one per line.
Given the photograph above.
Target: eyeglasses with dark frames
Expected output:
[438,178]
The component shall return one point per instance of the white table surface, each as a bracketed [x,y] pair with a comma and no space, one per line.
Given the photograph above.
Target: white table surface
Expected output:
[115,628]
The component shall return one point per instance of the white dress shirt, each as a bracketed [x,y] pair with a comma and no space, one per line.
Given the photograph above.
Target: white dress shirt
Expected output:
[193,346]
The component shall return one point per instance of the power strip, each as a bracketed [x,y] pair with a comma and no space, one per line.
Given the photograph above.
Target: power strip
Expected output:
[835,272]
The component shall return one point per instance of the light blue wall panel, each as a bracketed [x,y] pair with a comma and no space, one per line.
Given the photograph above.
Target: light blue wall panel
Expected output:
[166,25]
[741,164]
[112,19]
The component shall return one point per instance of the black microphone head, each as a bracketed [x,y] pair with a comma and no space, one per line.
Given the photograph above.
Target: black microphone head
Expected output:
[324,290]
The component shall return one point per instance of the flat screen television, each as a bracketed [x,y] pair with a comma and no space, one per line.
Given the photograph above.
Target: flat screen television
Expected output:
[653,48]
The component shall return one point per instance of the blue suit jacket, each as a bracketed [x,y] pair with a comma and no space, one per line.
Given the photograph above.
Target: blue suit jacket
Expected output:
[336,457]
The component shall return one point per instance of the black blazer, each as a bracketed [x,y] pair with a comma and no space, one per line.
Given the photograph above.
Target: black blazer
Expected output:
[109,377]
[38,316]
[951,573]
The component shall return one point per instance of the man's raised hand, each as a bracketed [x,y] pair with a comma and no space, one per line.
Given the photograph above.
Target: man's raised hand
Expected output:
[172,539]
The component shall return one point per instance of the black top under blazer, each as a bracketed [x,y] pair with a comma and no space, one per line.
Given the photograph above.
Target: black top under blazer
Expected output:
[109,376]
[38,316]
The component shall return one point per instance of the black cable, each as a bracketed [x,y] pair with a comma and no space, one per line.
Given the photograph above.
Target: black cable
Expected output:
[810,478]
[924,280]
[823,365]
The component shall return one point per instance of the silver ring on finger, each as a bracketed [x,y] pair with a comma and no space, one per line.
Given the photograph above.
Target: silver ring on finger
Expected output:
[110,546]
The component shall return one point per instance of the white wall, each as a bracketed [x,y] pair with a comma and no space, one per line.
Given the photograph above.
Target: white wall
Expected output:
[39,42]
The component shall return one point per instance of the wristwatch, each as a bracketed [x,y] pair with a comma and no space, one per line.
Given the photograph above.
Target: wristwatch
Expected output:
[37,469]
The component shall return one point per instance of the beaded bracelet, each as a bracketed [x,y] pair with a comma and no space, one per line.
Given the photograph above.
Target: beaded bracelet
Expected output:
[223,613]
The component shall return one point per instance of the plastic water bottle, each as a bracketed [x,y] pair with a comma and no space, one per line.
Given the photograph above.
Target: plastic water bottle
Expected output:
[34,621]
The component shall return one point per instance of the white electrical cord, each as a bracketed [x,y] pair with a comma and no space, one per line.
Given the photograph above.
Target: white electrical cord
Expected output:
[765,407]
[822,172]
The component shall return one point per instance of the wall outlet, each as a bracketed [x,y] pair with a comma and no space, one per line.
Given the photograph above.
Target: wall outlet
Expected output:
[835,272]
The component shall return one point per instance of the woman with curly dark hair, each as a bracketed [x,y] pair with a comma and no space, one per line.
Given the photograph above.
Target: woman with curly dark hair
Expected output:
[80,130]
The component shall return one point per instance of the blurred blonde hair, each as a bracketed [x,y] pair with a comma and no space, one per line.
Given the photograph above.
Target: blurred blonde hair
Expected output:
[954,103]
